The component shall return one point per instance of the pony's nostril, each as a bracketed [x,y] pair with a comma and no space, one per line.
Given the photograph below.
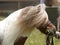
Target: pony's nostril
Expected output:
[54,31]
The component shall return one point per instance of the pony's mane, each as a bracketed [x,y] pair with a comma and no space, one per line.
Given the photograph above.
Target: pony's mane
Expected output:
[33,16]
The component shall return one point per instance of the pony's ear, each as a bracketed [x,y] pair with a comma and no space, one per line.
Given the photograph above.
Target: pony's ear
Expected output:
[42,6]
[34,10]
[38,7]
[31,10]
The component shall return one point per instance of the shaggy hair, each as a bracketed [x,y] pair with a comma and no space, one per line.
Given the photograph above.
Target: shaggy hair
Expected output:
[22,22]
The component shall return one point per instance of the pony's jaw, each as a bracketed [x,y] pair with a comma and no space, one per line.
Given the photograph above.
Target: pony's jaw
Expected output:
[48,29]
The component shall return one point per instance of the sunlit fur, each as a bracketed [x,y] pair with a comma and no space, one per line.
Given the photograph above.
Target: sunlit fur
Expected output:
[22,22]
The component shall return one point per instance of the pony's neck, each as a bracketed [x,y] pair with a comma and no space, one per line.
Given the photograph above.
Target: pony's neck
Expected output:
[13,17]
[12,23]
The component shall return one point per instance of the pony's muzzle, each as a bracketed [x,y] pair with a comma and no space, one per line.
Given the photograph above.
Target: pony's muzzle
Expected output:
[52,32]
[51,28]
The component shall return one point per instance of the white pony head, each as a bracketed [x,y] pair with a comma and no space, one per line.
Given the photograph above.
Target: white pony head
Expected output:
[36,16]
[23,21]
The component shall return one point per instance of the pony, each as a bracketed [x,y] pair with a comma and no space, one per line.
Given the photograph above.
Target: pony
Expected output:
[22,22]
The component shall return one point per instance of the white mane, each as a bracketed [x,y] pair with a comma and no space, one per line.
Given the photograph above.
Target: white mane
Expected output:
[21,23]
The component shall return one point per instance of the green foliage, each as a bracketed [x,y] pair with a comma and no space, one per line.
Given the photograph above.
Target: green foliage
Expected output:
[1,18]
[37,38]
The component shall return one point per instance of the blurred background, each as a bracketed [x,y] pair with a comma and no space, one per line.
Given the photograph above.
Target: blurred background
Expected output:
[8,6]
[53,10]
